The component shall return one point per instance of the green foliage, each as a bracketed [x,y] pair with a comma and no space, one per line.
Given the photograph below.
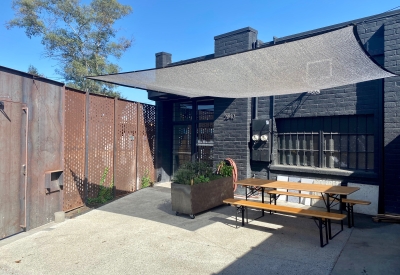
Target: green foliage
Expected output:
[33,70]
[196,172]
[225,170]
[105,193]
[146,181]
[80,37]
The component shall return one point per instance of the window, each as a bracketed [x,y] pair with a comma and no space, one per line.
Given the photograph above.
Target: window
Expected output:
[342,142]
[193,132]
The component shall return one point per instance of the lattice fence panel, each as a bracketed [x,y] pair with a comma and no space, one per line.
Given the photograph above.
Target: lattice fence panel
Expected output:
[74,150]
[146,144]
[101,142]
[126,139]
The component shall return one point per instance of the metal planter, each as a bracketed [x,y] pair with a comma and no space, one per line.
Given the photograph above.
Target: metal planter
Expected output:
[193,199]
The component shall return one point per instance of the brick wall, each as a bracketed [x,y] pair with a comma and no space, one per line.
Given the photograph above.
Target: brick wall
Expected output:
[231,137]
[234,42]
[392,117]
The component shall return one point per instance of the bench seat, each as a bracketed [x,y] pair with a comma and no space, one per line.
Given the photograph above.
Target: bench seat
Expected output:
[287,209]
[350,211]
[276,192]
[322,216]
[351,201]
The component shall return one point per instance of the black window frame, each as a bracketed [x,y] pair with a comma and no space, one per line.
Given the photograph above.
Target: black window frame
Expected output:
[194,123]
[344,142]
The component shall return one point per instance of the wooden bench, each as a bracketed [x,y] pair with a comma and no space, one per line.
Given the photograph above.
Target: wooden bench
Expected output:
[273,193]
[322,216]
[349,208]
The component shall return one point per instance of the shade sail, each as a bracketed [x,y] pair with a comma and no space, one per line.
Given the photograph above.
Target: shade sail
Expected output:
[323,61]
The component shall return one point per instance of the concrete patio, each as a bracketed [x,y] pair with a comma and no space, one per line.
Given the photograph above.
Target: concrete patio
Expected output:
[139,234]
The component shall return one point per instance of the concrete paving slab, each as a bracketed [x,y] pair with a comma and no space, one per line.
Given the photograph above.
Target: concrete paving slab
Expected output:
[140,234]
[373,248]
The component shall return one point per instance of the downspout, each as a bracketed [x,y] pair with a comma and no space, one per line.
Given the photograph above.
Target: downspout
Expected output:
[25,166]
[271,115]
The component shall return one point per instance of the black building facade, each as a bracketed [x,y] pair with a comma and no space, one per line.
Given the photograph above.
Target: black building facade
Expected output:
[348,135]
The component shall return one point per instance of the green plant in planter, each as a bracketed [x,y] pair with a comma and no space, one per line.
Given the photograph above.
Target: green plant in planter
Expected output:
[198,172]
[224,170]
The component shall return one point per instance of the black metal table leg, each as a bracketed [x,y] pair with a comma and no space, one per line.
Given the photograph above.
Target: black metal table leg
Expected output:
[328,208]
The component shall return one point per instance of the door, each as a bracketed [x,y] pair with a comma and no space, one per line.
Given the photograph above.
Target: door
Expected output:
[13,126]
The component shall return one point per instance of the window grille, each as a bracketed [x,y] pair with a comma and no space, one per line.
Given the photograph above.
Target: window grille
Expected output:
[341,142]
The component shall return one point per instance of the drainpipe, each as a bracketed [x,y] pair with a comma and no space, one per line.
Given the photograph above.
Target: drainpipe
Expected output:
[271,115]
[255,107]
[25,165]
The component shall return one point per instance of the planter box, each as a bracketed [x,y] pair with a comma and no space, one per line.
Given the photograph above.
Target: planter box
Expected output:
[193,199]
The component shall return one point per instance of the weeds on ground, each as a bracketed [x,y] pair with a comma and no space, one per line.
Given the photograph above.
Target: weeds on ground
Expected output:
[145,180]
[105,193]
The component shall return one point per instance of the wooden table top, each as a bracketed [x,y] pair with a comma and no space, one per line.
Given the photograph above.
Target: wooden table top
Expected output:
[321,188]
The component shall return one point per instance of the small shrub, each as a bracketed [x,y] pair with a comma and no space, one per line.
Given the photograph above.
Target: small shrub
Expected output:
[105,193]
[146,181]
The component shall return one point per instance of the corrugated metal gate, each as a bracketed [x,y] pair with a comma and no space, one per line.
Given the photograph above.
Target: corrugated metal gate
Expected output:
[13,130]
[117,137]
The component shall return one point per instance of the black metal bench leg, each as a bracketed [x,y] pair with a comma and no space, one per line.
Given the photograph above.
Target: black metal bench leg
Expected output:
[348,215]
[326,231]
[237,210]
[352,215]
[270,202]
[321,240]
[242,215]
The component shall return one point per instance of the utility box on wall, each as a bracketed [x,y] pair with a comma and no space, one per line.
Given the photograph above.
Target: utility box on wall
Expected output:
[261,140]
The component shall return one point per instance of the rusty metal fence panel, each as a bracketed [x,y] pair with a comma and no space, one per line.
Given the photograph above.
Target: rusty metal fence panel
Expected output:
[12,152]
[120,133]
[101,143]
[74,150]
[125,170]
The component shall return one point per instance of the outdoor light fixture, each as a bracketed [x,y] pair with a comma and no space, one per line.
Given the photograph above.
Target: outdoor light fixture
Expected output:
[255,137]
[264,138]
[1,105]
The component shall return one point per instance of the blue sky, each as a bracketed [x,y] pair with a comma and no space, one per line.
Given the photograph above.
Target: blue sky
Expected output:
[186,29]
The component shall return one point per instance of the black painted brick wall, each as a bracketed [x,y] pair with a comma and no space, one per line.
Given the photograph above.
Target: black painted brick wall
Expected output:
[360,98]
[234,42]
[231,137]
[392,117]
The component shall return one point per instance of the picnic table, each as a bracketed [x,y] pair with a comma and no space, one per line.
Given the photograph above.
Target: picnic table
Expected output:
[329,194]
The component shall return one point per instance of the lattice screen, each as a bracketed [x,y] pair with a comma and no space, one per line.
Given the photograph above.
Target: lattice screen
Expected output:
[146,143]
[125,178]
[74,150]
[101,142]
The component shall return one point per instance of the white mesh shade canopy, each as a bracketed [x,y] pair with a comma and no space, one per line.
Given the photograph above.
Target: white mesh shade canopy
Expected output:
[324,61]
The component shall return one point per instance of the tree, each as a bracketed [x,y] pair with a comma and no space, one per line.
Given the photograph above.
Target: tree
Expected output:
[79,37]
[33,70]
